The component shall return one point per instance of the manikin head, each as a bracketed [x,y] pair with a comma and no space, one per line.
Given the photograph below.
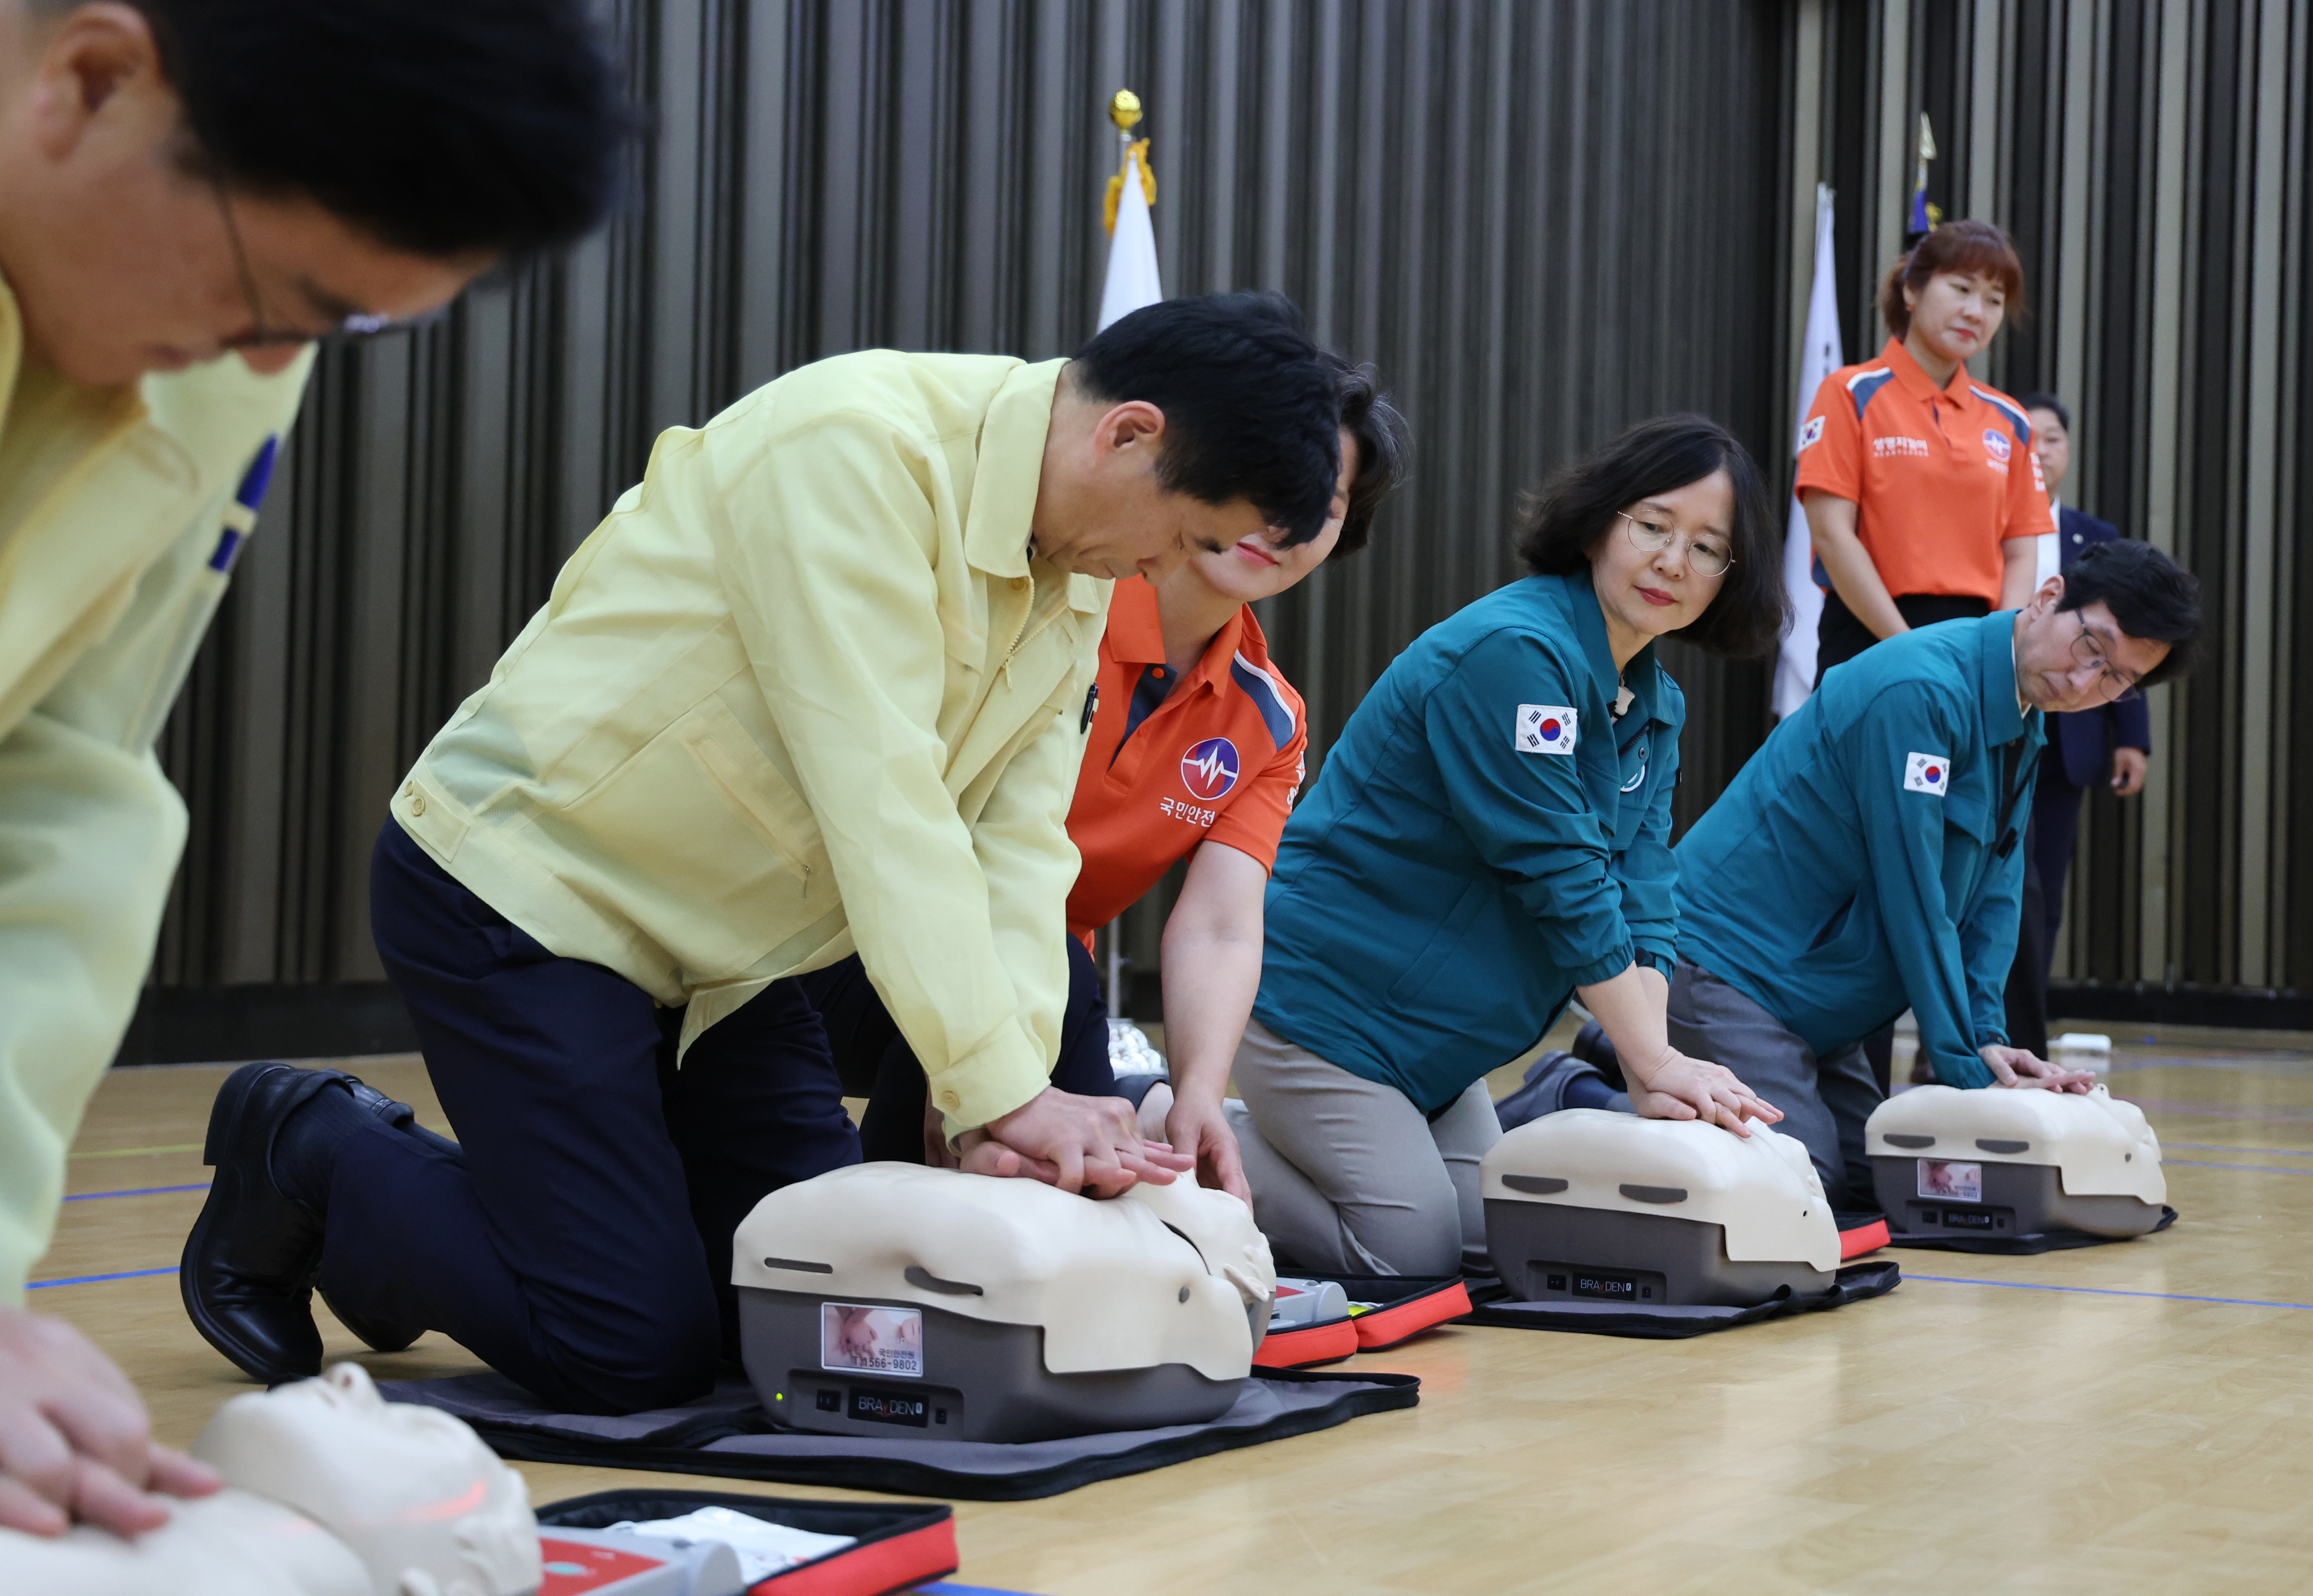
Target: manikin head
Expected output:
[2123,618]
[181,178]
[1188,425]
[1647,515]
[1373,445]
[414,1493]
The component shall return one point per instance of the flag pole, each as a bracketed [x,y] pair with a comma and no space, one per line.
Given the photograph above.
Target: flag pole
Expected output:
[1124,110]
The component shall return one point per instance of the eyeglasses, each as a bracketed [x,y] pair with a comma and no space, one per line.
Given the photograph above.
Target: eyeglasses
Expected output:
[260,336]
[1708,559]
[2117,686]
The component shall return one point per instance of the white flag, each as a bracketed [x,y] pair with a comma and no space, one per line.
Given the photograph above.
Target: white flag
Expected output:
[1131,254]
[1818,358]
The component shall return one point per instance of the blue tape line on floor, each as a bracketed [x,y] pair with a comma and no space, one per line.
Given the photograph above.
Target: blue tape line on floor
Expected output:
[946,1588]
[2101,1290]
[2227,1147]
[93,1279]
[90,1197]
[2211,1163]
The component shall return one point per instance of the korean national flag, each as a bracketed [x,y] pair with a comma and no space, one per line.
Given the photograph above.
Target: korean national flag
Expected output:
[1927,773]
[1543,729]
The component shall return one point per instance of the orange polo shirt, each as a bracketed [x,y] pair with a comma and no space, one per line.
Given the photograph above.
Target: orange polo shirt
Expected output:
[1214,754]
[1942,476]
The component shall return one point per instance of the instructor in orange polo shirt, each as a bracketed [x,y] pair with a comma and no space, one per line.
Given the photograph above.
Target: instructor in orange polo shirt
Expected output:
[1921,486]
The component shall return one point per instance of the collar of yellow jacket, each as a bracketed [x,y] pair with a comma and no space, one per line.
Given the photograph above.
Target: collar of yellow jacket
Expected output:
[1004,488]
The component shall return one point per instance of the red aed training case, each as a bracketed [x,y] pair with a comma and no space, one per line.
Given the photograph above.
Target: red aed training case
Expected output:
[895,1547]
[1378,1310]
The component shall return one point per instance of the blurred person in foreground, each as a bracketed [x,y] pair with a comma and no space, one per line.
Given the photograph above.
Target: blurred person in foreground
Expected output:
[192,193]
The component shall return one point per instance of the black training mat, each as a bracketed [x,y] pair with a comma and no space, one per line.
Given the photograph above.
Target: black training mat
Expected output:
[727,1434]
[2023,1246]
[1674,1323]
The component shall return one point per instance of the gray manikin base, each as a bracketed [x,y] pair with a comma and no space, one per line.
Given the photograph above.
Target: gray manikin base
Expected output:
[1555,1252]
[2020,1199]
[982,1382]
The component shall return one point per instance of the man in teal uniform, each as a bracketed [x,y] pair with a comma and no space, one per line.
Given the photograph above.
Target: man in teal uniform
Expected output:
[1867,858]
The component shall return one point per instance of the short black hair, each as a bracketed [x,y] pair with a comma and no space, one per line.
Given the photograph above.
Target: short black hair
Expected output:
[1383,442]
[2048,401]
[2149,597]
[441,127]
[1249,401]
[1561,522]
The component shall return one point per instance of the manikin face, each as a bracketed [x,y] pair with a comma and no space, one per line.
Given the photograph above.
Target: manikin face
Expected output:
[1259,568]
[413,1492]
[122,260]
[2054,445]
[1650,592]
[1956,314]
[2055,669]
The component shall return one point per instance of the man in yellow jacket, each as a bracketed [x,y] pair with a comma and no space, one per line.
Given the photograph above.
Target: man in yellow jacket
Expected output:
[191,195]
[818,685]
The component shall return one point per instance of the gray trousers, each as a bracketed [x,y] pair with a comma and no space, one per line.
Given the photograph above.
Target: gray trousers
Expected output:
[1348,1177]
[1825,1100]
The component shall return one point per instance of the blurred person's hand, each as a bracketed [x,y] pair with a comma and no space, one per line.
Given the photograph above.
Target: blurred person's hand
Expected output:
[2128,771]
[76,1445]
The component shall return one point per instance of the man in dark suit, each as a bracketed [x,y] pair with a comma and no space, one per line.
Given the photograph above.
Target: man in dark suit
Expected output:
[2108,744]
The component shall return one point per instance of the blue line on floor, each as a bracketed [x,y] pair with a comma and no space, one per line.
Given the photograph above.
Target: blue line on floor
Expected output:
[2229,1147]
[90,1197]
[93,1279]
[2099,1290]
[948,1588]
[2270,1169]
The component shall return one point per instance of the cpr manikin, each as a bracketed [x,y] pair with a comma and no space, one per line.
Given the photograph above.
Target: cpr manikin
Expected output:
[330,1491]
[1589,1205]
[1994,1164]
[893,1300]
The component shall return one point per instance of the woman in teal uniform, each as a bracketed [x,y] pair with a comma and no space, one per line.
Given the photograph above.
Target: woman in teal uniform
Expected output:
[1491,834]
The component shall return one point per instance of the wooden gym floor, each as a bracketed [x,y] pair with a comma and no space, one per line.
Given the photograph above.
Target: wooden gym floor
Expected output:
[2118,1419]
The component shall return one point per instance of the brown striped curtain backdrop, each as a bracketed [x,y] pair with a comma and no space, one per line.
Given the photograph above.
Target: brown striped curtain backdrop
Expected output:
[1541,219]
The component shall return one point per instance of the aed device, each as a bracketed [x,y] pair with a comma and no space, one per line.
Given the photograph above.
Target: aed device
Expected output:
[1997,1163]
[614,1562]
[1588,1205]
[890,1299]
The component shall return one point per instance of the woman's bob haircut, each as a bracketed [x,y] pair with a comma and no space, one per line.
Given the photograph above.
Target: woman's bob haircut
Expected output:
[1963,246]
[1561,524]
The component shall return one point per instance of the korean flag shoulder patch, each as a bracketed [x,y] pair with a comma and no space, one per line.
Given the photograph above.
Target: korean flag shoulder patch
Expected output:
[1927,773]
[1810,434]
[1543,729]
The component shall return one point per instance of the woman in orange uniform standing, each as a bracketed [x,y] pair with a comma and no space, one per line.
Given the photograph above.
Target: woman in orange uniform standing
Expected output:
[1920,487]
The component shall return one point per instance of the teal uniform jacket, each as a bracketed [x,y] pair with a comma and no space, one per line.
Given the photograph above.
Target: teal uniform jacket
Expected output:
[1867,857]
[1484,838]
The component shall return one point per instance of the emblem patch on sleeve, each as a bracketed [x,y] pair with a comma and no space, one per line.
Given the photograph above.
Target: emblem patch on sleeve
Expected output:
[1810,434]
[1543,729]
[1927,773]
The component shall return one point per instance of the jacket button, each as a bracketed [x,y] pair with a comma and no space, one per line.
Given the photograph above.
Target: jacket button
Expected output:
[409,790]
[948,1100]
[418,804]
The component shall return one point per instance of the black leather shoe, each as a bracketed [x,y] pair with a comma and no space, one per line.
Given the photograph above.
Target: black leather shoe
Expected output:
[380,1335]
[247,1275]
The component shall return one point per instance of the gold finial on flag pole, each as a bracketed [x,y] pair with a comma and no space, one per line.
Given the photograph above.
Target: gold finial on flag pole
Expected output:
[1124,110]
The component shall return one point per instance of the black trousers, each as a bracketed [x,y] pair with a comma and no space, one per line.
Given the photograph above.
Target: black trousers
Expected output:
[875,1061]
[1839,636]
[578,1237]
